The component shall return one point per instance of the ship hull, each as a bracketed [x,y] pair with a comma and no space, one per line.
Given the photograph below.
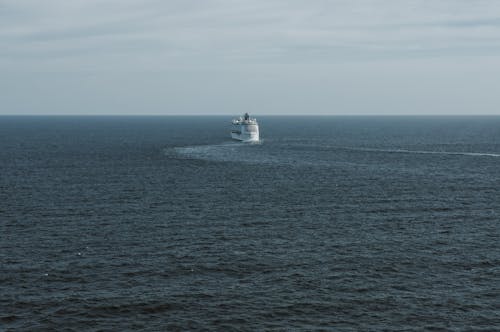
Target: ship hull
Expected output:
[245,137]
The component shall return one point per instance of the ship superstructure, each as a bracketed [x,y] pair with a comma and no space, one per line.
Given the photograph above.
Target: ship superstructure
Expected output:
[245,129]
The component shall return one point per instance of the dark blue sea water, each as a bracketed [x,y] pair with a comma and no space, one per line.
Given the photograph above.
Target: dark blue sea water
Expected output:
[329,224]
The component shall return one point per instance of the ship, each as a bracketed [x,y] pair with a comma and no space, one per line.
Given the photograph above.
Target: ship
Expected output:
[245,129]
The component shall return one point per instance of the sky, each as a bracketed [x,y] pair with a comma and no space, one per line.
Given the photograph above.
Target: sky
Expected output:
[188,57]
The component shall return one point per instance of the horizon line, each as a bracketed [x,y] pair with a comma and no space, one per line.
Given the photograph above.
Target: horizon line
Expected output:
[263,114]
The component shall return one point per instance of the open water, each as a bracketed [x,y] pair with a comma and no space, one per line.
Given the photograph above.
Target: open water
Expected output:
[328,224]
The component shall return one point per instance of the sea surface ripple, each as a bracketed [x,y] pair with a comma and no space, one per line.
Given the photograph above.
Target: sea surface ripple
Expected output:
[329,224]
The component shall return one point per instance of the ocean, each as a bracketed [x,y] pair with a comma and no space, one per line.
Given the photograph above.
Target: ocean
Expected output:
[327,224]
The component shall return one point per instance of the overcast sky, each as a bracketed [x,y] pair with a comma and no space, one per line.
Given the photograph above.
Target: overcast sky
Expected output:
[262,56]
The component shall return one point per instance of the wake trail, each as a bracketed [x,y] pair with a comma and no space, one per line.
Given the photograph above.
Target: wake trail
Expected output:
[451,153]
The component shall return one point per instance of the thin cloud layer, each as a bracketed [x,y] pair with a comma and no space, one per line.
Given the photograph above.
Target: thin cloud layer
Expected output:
[281,57]
[201,32]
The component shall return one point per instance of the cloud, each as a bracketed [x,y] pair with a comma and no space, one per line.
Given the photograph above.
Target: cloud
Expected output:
[176,32]
[218,56]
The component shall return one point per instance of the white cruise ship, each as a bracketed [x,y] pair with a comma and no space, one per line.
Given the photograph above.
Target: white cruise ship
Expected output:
[245,129]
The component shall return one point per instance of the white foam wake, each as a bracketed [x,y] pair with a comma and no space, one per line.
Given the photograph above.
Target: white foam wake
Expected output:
[227,151]
[204,149]
[452,153]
